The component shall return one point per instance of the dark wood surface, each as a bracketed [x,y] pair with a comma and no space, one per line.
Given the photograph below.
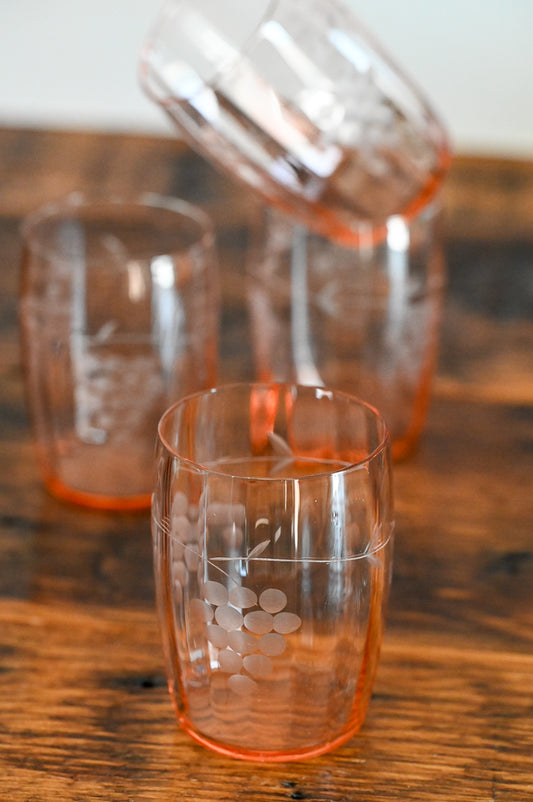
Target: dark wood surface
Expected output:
[84,711]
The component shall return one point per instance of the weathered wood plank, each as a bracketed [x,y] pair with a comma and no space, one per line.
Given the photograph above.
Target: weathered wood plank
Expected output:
[84,711]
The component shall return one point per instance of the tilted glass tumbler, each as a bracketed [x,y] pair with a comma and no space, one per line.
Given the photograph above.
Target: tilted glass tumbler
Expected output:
[297,100]
[119,318]
[363,318]
[272,533]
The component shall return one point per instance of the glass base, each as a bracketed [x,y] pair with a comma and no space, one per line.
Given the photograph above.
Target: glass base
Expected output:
[97,501]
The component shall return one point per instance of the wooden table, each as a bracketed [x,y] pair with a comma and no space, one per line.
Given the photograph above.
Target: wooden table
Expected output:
[84,711]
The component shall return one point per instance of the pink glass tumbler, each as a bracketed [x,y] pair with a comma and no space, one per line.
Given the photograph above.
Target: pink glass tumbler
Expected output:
[272,532]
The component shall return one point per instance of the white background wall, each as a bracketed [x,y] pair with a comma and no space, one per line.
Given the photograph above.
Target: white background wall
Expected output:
[72,63]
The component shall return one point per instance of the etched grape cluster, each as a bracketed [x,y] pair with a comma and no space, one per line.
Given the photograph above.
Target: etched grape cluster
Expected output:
[246,630]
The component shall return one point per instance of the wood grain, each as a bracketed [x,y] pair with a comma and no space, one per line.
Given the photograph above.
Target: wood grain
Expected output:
[84,710]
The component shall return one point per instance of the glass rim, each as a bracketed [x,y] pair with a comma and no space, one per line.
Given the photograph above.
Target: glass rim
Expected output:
[382,446]
[65,207]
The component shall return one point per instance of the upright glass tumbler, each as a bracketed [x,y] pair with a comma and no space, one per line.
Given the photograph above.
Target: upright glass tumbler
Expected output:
[363,318]
[272,533]
[118,316]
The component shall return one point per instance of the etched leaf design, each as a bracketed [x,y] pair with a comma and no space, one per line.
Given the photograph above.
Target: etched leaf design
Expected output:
[279,445]
[259,549]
